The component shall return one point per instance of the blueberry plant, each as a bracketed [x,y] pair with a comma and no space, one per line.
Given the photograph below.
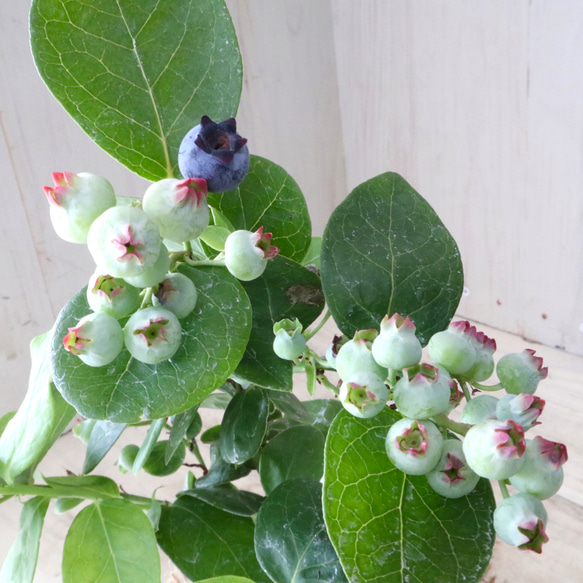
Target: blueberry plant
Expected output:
[206,293]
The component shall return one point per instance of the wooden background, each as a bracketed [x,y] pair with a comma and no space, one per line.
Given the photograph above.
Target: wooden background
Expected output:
[477,103]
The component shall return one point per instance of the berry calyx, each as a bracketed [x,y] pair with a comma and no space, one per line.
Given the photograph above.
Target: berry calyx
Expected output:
[521,372]
[365,395]
[396,346]
[289,342]
[177,293]
[247,253]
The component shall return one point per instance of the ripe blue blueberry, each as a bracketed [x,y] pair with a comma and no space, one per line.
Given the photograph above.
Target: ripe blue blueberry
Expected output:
[215,152]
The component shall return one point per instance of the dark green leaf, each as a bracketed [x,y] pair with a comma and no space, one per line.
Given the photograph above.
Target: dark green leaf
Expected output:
[324,412]
[312,256]
[203,541]
[39,421]
[384,251]
[156,464]
[297,452]
[244,424]
[237,502]
[214,338]
[292,407]
[387,526]
[137,75]
[291,541]
[222,472]
[148,444]
[270,198]
[211,434]
[101,440]
[85,486]
[217,400]
[111,541]
[20,563]
[285,290]
[180,425]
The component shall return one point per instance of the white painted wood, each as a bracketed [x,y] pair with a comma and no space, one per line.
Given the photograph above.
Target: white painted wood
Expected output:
[479,105]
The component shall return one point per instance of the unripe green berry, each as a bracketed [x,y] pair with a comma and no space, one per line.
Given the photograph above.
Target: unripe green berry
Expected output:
[177,293]
[112,295]
[247,253]
[396,346]
[521,372]
[364,395]
[289,342]
[355,356]
[155,274]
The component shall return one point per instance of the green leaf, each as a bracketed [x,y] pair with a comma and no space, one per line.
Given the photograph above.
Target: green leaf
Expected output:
[103,435]
[385,250]
[387,526]
[222,472]
[285,290]
[292,407]
[203,541]
[270,198]
[85,486]
[324,412]
[237,502]
[39,421]
[244,425]
[111,541]
[297,452]
[312,256]
[20,563]
[214,338]
[180,425]
[63,505]
[291,541]
[217,400]
[227,579]
[148,444]
[137,75]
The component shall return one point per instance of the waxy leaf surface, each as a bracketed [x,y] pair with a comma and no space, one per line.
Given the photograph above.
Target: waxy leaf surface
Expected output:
[137,75]
[391,527]
[385,250]
[103,435]
[270,198]
[214,337]
[237,502]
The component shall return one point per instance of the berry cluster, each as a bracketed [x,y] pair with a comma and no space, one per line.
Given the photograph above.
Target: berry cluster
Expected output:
[135,276]
[386,367]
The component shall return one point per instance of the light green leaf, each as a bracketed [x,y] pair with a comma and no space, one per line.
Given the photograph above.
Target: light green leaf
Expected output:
[203,541]
[297,452]
[244,425]
[270,198]
[237,502]
[180,424]
[85,486]
[103,435]
[227,579]
[214,338]
[312,256]
[20,563]
[63,505]
[148,444]
[39,421]
[291,541]
[111,541]
[285,290]
[137,75]
[387,526]
[385,250]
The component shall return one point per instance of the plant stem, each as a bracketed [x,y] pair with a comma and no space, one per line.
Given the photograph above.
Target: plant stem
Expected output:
[504,488]
[466,391]
[496,387]
[444,421]
[311,333]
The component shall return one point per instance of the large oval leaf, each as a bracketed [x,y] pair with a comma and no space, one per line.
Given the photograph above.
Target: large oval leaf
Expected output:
[385,250]
[269,197]
[125,391]
[111,541]
[243,426]
[237,502]
[285,290]
[291,541]
[387,526]
[203,541]
[137,75]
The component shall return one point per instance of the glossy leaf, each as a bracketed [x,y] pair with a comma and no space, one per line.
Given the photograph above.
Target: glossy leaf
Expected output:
[312,256]
[297,452]
[111,541]
[20,564]
[137,75]
[292,407]
[324,412]
[40,420]
[103,435]
[291,541]
[385,250]
[180,425]
[243,426]
[63,505]
[222,472]
[387,526]
[203,541]
[214,337]
[237,502]
[148,444]
[270,198]
[85,486]
[285,290]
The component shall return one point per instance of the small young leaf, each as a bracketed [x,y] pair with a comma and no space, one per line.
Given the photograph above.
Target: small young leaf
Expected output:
[148,444]
[203,541]
[297,452]
[270,198]
[39,421]
[285,290]
[103,435]
[291,541]
[244,425]
[385,250]
[179,427]
[111,541]
[20,563]
[214,337]
[137,75]
[63,505]
[391,527]
[237,502]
